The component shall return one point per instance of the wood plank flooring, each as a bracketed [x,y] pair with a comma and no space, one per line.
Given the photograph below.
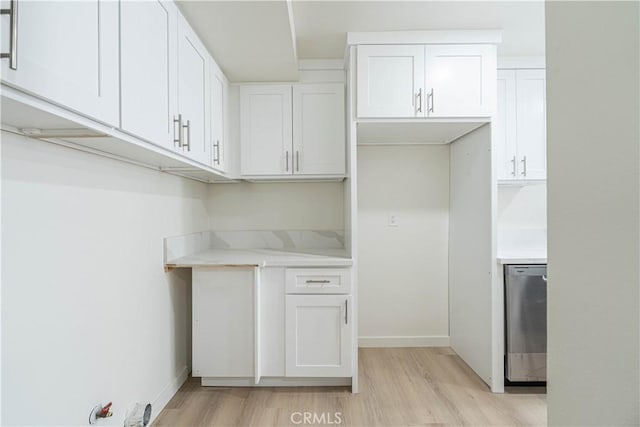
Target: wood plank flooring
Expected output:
[398,387]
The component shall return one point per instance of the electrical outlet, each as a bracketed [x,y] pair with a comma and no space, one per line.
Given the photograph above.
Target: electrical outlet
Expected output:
[393,220]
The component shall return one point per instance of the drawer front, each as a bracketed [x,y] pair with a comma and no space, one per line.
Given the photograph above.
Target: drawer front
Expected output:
[318,281]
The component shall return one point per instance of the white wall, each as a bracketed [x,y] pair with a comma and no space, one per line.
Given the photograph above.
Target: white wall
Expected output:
[522,206]
[522,218]
[88,314]
[593,183]
[276,206]
[402,271]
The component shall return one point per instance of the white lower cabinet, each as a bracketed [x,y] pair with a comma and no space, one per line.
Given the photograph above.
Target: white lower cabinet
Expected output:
[223,322]
[247,330]
[318,336]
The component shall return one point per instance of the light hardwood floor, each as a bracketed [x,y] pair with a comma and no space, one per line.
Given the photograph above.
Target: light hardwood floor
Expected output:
[398,387]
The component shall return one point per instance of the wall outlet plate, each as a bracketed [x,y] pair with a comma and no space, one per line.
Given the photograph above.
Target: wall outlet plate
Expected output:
[393,220]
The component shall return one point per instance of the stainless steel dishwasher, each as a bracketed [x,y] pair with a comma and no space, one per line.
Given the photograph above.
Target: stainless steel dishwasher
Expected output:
[526,323]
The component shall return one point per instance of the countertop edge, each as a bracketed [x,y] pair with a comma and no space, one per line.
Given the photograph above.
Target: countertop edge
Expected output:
[521,260]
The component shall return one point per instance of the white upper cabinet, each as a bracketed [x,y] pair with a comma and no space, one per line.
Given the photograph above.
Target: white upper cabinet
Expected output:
[460,80]
[318,129]
[67,53]
[193,87]
[520,125]
[148,34]
[390,80]
[504,125]
[404,81]
[218,102]
[294,131]
[266,133]
[531,123]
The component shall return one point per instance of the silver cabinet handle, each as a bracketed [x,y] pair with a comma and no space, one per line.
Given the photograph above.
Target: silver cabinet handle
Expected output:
[432,101]
[13,34]
[317,281]
[524,165]
[297,161]
[286,156]
[188,128]
[216,157]
[346,312]
[419,101]
[513,166]
[177,141]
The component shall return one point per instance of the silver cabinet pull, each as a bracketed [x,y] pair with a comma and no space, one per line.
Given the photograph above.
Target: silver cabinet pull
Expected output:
[432,101]
[419,101]
[297,161]
[286,156]
[13,34]
[346,312]
[513,166]
[317,281]
[177,141]
[216,157]
[214,153]
[524,165]
[188,128]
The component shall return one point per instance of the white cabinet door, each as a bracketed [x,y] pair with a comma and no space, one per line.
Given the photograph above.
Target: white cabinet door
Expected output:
[531,123]
[390,81]
[504,126]
[318,129]
[218,104]
[67,53]
[223,323]
[193,88]
[148,76]
[265,130]
[318,336]
[460,80]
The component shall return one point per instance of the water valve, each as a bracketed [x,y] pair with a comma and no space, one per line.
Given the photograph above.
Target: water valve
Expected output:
[100,411]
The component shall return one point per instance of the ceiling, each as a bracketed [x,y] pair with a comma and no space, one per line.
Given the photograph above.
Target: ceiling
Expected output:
[250,40]
[263,40]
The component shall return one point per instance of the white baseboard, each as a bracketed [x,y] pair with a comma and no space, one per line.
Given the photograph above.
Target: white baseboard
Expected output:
[169,391]
[399,341]
[274,382]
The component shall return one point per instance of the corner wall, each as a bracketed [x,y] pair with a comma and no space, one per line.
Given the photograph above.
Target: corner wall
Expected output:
[88,314]
[593,134]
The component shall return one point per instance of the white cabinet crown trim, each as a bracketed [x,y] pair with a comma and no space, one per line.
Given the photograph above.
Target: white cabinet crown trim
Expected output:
[426,37]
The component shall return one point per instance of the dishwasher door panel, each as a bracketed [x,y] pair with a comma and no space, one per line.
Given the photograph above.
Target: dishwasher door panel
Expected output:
[526,323]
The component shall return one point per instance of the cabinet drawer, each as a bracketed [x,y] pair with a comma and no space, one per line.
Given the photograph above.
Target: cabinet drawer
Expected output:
[318,281]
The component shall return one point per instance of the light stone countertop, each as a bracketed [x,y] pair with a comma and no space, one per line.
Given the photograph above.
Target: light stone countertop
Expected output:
[265,258]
